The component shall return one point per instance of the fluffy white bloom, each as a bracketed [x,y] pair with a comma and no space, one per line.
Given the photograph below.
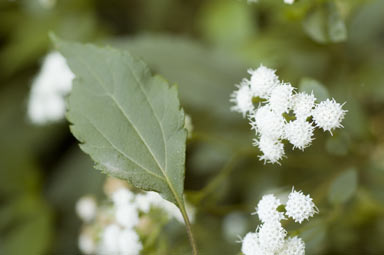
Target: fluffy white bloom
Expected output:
[281,98]
[129,243]
[299,206]
[267,209]
[127,215]
[251,246]
[86,208]
[328,115]
[293,246]
[122,197]
[263,81]
[242,98]
[86,244]
[273,150]
[271,236]
[299,133]
[110,239]
[302,104]
[47,98]
[267,123]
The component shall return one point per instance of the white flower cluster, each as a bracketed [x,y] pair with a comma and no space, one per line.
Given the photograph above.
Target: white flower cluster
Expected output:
[47,97]
[283,113]
[270,237]
[118,223]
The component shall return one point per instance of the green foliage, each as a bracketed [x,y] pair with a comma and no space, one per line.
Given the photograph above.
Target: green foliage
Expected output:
[343,187]
[310,85]
[127,120]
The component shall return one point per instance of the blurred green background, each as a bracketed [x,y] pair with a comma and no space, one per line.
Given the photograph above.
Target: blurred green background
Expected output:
[334,47]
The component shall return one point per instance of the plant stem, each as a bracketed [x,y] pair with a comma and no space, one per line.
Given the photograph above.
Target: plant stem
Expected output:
[189,230]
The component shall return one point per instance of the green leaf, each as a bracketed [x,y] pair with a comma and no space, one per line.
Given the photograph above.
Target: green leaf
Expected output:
[343,187]
[127,120]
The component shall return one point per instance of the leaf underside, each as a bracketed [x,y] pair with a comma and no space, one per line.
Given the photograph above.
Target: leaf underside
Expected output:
[129,121]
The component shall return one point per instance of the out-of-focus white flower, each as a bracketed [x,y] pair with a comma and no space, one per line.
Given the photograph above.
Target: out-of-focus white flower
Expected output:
[127,215]
[281,98]
[302,105]
[328,115]
[273,150]
[86,208]
[234,225]
[86,244]
[251,246]
[129,243]
[263,81]
[267,123]
[289,1]
[242,98]
[122,197]
[47,98]
[144,202]
[299,133]
[271,236]
[110,240]
[188,125]
[48,4]
[267,209]
[293,246]
[299,206]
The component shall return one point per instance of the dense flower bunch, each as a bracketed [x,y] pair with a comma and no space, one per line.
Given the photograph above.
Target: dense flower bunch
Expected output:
[283,113]
[112,228]
[270,237]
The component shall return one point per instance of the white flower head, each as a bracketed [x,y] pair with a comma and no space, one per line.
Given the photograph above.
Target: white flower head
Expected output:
[299,206]
[47,98]
[242,98]
[303,104]
[263,81]
[110,239]
[86,208]
[299,133]
[293,246]
[328,115]
[289,1]
[122,197]
[273,150]
[280,100]
[87,244]
[267,123]
[251,246]
[129,242]
[267,209]
[271,236]
[127,215]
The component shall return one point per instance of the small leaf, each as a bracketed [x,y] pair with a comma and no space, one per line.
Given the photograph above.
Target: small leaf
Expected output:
[343,187]
[127,120]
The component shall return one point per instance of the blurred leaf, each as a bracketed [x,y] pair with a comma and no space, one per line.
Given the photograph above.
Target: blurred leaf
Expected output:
[324,24]
[226,23]
[311,85]
[343,187]
[128,121]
